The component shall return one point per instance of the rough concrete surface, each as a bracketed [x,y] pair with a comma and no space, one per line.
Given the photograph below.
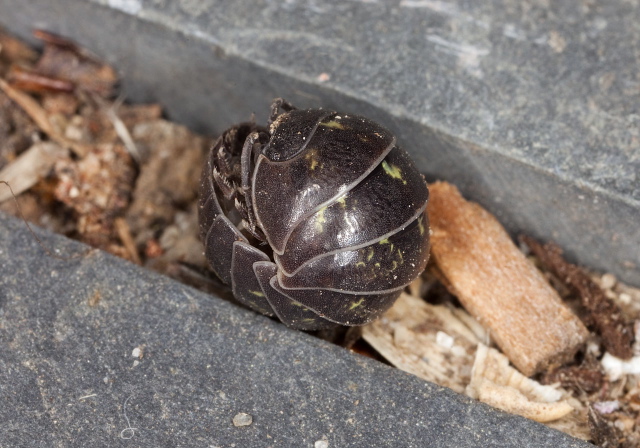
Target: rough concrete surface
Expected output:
[531,108]
[97,352]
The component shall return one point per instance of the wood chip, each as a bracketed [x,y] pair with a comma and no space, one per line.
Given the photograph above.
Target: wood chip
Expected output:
[41,118]
[617,334]
[426,340]
[476,259]
[14,50]
[494,382]
[63,59]
[30,167]
[25,79]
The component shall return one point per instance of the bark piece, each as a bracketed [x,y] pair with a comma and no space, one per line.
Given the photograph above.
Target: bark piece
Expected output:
[617,334]
[476,259]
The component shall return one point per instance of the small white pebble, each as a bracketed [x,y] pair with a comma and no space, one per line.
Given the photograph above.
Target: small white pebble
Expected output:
[73,132]
[625,298]
[623,424]
[608,281]
[610,294]
[324,77]
[136,352]
[606,407]
[444,340]
[321,444]
[593,349]
[242,419]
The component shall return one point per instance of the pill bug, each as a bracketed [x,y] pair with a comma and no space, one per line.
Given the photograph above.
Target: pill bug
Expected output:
[318,218]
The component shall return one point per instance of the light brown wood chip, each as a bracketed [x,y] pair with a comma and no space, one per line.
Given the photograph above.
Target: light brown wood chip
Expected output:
[30,167]
[477,260]
[494,382]
[429,341]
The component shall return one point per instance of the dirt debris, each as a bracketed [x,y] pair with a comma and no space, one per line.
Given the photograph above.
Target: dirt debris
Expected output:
[587,377]
[113,175]
[172,158]
[603,313]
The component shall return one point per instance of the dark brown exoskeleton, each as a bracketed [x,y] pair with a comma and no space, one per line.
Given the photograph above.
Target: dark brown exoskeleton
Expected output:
[319,218]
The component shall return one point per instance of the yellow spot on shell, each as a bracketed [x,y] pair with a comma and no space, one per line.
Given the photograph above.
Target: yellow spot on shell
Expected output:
[377,265]
[421,226]
[355,305]
[320,220]
[393,171]
[308,320]
[333,124]
[370,254]
[256,293]
[360,264]
[342,201]
[400,256]
[384,241]
[311,157]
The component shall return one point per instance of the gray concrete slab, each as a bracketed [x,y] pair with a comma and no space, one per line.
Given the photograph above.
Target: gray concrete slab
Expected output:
[69,375]
[530,108]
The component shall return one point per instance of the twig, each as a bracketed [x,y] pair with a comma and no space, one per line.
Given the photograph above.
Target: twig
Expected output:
[124,233]
[119,126]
